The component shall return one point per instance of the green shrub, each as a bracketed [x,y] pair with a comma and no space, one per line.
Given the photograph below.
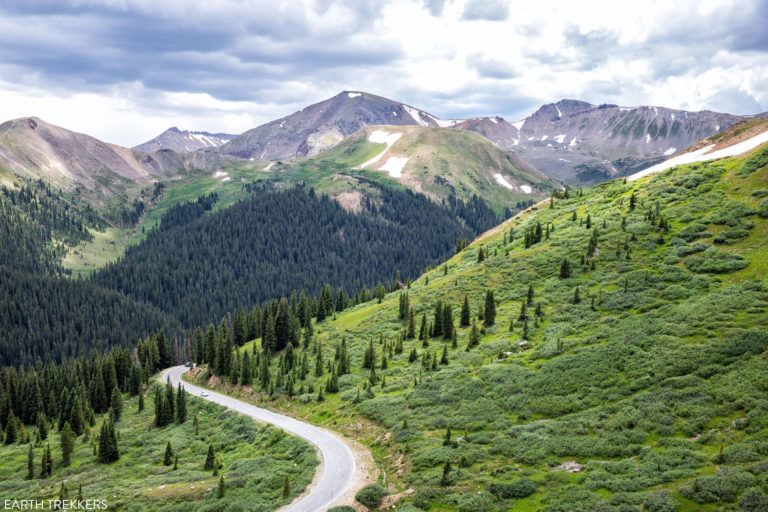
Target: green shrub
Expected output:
[520,488]
[725,485]
[371,495]
[687,250]
[753,163]
[712,261]
[343,508]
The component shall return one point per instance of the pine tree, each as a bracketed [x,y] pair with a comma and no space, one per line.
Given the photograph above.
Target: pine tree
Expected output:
[246,376]
[480,255]
[411,331]
[632,201]
[42,426]
[210,459]
[474,336]
[108,451]
[46,465]
[444,357]
[222,488]
[168,457]
[465,313]
[116,403]
[67,440]
[576,296]
[447,322]
[447,437]
[565,269]
[181,405]
[445,480]
[423,329]
[490,309]
[529,295]
[141,402]
[196,423]
[11,429]
[369,357]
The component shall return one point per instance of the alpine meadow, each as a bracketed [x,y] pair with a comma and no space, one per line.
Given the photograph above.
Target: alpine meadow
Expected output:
[232,279]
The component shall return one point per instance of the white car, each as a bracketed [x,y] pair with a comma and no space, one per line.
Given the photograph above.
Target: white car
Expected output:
[203,394]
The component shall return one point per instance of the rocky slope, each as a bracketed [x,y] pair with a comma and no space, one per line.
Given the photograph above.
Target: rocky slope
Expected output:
[578,142]
[323,125]
[182,141]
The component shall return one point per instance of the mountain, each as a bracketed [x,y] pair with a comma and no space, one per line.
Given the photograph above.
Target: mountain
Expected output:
[605,351]
[439,163]
[321,126]
[580,143]
[182,141]
[32,148]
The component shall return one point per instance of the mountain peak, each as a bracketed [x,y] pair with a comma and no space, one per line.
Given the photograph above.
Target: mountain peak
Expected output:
[183,141]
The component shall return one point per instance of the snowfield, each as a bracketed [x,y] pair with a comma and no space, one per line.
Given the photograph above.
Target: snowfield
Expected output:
[416,115]
[353,94]
[501,180]
[394,165]
[703,155]
[670,151]
[526,188]
[380,137]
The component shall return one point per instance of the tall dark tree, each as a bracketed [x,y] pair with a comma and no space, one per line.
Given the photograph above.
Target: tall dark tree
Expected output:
[108,450]
[67,441]
[489,316]
[465,313]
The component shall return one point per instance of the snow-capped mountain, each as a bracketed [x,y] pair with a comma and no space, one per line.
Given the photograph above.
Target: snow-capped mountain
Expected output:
[183,141]
[578,142]
[323,125]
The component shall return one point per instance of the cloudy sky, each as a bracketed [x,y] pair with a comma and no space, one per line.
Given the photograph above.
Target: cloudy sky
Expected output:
[124,70]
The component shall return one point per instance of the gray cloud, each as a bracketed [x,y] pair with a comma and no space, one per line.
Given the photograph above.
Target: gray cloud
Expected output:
[490,10]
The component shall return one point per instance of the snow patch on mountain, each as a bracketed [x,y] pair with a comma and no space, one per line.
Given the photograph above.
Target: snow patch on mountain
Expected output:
[670,151]
[394,165]
[703,155]
[353,94]
[501,180]
[416,115]
[380,137]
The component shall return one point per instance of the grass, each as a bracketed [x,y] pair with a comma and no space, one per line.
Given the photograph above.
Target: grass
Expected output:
[256,459]
[658,387]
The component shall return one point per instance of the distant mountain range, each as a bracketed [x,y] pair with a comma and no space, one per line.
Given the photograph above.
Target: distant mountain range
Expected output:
[571,141]
[183,141]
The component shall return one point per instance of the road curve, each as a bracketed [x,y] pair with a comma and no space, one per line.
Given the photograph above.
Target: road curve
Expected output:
[337,472]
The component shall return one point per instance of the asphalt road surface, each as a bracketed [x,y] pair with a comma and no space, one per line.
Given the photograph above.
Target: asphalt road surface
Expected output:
[337,462]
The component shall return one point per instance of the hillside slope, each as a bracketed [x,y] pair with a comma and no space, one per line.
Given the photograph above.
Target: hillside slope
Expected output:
[632,378]
[437,162]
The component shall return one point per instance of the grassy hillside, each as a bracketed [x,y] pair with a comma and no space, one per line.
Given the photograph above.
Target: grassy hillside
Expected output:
[649,386]
[255,459]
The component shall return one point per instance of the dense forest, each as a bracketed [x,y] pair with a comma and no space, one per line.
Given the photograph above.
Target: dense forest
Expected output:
[199,267]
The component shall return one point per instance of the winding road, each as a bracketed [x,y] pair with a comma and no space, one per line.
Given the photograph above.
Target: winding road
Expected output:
[338,471]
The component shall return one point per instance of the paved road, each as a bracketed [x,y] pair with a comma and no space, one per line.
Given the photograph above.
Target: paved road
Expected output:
[336,473]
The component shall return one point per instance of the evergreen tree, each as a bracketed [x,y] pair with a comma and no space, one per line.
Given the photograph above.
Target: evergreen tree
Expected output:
[141,402]
[632,201]
[411,331]
[210,459]
[474,336]
[168,457]
[42,426]
[490,309]
[46,464]
[222,491]
[445,480]
[423,328]
[444,357]
[116,403]
[181,405]
[108,450]
[529,295]
[565,269]
[246,376]
[447,437]
[576,296]
[67,440]
[465,313]
[369,357]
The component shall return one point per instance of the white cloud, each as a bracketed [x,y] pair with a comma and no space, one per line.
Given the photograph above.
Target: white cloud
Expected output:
[231,65]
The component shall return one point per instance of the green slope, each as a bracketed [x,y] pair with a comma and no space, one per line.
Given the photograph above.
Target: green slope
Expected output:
[655,382]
